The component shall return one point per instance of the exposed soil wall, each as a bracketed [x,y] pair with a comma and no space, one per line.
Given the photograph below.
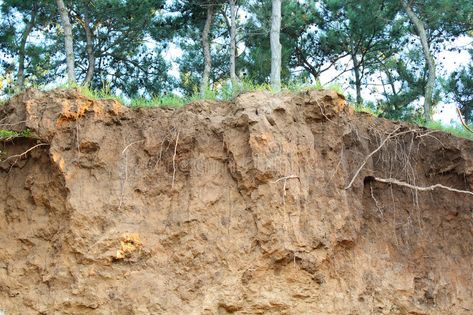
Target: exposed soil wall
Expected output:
[236,207]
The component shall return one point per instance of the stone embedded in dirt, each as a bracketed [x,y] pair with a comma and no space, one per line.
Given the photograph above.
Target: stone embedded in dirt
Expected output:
[230,207]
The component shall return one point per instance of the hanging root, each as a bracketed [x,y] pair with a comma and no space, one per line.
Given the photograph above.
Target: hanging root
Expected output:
[19,156]
[376,202]
[419,188]
[174,161]
[394,181]
[285,178]
[393,134]
[322,110]
[126,148]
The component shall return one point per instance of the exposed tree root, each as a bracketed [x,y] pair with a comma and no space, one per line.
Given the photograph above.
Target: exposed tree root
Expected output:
[135,142]
[174,161]
[19,156]
[393,134]
[419,188]
[394,181]
[285,178]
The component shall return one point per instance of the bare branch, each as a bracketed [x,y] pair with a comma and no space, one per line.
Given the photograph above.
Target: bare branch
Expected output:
[463,122]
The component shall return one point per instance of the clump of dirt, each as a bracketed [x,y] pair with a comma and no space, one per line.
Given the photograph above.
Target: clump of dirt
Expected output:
[271,204]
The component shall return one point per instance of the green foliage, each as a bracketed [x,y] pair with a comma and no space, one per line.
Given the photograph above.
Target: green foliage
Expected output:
[297,21]
[133,41]
[368,108]
[10,134]
[186,29]
[460,89]
[119,30]
[334,87]
[403,79]
[15,43]
[123,60]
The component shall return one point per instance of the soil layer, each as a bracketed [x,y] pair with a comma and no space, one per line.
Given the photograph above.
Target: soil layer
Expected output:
[230,207]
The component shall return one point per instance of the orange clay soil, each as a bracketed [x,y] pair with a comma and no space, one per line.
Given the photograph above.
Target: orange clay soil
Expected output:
[233,207]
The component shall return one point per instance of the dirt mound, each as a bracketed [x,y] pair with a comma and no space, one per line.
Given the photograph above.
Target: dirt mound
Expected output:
[271,204]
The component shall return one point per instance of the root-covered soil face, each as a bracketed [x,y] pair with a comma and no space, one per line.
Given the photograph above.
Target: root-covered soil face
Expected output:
[242,207]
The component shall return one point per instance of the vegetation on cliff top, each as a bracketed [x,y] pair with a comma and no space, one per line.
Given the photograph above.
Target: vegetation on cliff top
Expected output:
[386,55]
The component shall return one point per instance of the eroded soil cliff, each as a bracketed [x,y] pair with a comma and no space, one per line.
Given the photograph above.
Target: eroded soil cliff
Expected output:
[237,207]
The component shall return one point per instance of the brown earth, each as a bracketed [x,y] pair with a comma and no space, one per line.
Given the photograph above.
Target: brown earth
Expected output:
[237,207]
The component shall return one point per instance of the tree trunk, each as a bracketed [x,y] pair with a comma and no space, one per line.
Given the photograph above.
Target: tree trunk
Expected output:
[429,88]
[89,36]
[356,70]
[275,45]
[233,75]
[68,41]
[21,52]
[206,46]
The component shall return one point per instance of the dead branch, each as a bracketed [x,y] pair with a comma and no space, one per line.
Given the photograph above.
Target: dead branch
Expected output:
[19,156]
[463,122]
[174,161]
[419,188]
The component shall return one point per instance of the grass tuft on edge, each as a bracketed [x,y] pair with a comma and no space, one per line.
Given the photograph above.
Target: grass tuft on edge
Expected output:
[6,134]
[456,130]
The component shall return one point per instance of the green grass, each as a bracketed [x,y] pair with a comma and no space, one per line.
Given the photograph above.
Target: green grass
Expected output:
[102,94]
[222,92]
[10,134]
[364,108]
[163,101]
[225,92]
[456,130]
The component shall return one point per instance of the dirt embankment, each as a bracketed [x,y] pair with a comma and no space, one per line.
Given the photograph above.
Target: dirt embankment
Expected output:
[237,207]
